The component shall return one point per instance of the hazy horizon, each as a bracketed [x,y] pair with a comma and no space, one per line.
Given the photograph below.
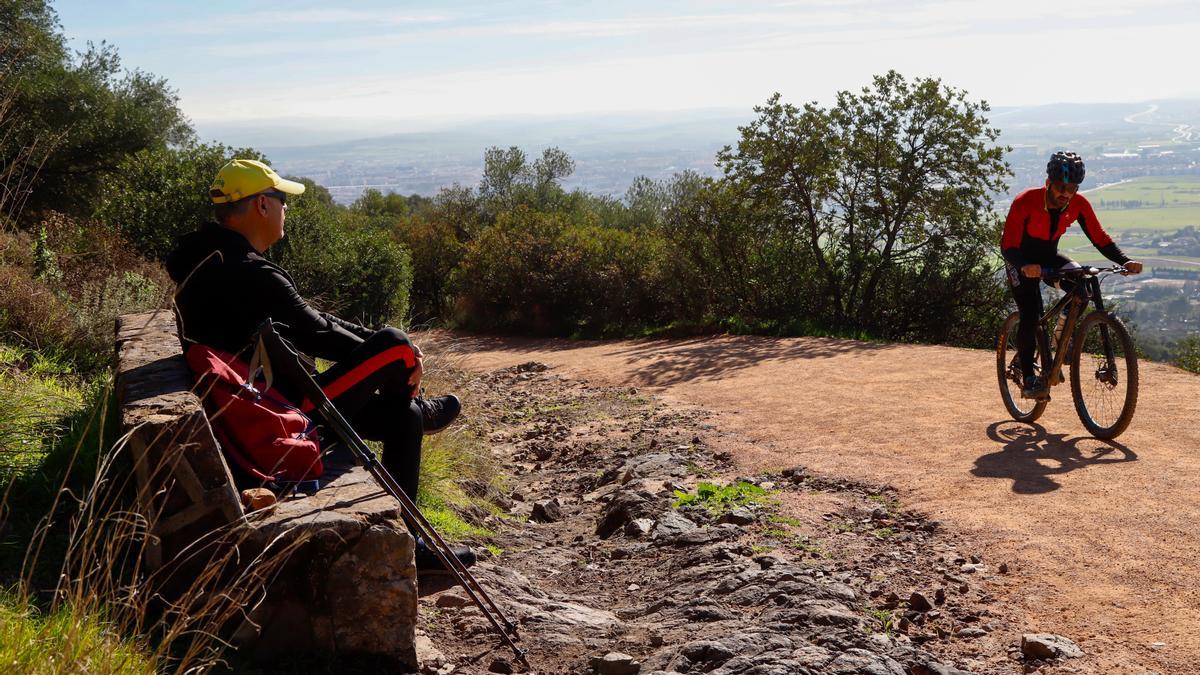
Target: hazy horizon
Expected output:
[374,66]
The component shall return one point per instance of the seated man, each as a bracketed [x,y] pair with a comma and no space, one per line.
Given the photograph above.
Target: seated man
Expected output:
[226,289]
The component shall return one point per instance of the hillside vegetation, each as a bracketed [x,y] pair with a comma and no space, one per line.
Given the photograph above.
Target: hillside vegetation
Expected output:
[867,218]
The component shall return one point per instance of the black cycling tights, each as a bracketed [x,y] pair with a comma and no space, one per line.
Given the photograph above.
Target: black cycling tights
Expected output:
[1028,294]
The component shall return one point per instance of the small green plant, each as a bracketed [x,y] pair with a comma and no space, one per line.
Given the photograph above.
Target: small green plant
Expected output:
[842,526]
[776,533]
[886,501]
[883,532]
[806,546]
[761,548]
[784,520]
[718,499]
[885,618]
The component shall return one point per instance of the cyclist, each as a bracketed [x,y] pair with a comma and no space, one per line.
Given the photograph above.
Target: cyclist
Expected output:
[1037,219]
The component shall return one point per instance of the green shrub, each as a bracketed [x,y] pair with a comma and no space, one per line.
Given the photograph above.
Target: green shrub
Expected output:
[343,264]
[162,193]
[435,251]
[540,273]
[1188,353]
[63,292]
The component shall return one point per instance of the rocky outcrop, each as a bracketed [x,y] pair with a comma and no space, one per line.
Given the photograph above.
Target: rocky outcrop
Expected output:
[342,576]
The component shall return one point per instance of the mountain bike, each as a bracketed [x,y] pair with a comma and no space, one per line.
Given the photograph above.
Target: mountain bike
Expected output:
[1098,348]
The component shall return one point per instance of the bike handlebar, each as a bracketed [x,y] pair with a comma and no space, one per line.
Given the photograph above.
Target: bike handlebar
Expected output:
[1051,274]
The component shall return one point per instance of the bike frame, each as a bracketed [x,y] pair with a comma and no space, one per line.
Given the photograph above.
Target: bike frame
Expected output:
[1087,288]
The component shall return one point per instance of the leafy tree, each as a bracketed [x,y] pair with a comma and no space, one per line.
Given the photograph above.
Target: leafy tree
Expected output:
[510,180]
[341,263]
[161,193]
[84,106]
[387,209]
[889,188]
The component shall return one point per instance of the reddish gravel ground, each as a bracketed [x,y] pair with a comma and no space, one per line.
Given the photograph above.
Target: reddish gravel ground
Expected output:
[1101,536]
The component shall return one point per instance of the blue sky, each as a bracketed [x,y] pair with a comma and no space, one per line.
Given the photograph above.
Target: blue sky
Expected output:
[427,62]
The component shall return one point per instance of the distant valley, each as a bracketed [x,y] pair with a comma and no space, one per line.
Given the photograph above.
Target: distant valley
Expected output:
[1119,141]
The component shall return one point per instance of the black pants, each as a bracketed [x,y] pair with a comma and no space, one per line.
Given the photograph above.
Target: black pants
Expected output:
[1028,295]
[370,388]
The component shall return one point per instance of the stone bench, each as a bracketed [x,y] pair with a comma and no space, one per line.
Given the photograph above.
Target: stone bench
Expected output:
[349,584]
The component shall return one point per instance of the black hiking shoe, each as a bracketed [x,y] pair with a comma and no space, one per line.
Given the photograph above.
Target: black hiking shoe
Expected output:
[1035,388]
[427,560]
[438,412]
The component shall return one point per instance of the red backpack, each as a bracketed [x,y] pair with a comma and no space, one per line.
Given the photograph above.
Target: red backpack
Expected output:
[263,433]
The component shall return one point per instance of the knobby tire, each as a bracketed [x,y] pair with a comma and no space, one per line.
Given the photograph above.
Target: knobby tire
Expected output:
[1010,392]
[1096,400]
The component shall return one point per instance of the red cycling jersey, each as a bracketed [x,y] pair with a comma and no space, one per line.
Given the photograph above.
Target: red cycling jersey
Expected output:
[1032,231]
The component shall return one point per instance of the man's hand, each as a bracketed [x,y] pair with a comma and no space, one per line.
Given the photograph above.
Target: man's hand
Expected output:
[414,380]
[1032,271]
[1133,267]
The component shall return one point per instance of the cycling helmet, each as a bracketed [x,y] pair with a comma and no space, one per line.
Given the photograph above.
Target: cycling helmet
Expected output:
[1066,167]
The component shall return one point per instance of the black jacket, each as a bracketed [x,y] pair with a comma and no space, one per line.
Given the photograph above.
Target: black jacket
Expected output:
[226,289]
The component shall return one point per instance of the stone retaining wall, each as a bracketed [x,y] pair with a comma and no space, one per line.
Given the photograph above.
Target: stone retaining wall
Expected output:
[349,585]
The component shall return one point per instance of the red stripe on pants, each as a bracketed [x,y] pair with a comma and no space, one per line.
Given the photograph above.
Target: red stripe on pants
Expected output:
[361,371]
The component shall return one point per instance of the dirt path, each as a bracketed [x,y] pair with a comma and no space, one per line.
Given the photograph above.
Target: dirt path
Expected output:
[1102,536]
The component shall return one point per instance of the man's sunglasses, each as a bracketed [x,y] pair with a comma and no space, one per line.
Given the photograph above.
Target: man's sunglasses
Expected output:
[275,194]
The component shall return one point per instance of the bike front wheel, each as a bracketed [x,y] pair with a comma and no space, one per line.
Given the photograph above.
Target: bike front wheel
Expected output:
[1104,375]
[1008,370]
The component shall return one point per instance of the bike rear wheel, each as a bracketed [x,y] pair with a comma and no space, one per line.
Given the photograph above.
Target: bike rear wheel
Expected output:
[1008,371]
[1104,375]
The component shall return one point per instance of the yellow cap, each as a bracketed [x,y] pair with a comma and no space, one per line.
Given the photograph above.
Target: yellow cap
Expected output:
[241,178]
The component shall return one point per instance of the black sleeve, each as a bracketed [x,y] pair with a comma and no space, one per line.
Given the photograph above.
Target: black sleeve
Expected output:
[1114,253]
[309,330]
[349,326]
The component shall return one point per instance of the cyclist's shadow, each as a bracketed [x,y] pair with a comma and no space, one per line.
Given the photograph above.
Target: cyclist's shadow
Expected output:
[1030,456]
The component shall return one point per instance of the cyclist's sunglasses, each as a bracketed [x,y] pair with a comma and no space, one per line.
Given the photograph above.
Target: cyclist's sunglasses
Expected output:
[1063,186]
[276,194]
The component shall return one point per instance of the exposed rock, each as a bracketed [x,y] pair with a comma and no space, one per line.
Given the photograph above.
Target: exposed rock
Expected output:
[546,511]
[639,527]
[935,668]
[452,598]
[500,665]
[624,507]
[704,535]
[918,602]
[659,464]
[862,662]
[671,524]
[1048,646]
[705,652]
[738,516]
[615,663]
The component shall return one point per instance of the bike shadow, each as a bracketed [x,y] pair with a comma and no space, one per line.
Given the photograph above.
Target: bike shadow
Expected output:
[1031,456]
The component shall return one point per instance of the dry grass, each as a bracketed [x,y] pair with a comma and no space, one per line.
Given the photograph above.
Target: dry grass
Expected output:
[106,613]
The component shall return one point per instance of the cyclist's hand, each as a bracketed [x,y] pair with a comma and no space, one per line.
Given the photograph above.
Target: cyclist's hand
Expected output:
[1133,267]
[1032,271]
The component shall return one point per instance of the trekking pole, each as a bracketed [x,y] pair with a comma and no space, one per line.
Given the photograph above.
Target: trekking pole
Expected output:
[412,516]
